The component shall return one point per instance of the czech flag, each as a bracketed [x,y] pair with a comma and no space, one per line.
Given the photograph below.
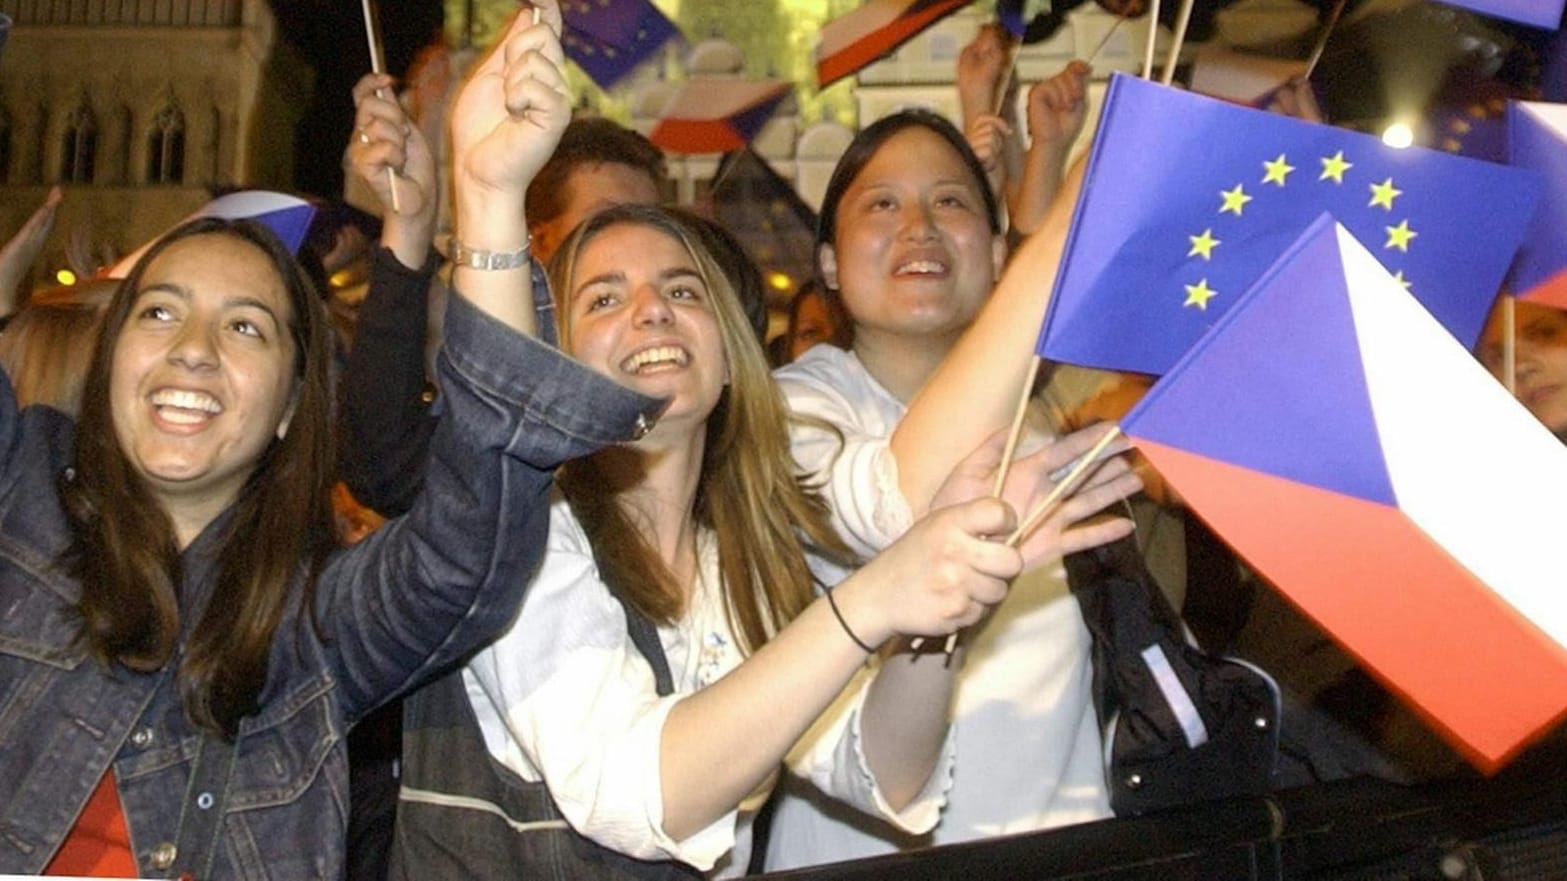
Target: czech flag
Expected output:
[717,116]
[1537,140]
[1540,13]
[1349,448]
[853,41]
[288,216]
[1188,200]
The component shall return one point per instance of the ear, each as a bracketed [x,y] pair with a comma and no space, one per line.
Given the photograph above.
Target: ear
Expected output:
[288,413]
[998,253]
[827,262]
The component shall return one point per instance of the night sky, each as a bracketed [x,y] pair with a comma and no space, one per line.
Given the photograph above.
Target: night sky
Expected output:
[330,34]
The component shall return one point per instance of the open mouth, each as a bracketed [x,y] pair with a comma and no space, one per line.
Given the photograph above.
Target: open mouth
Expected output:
[922,268]
[656,358]
[184,407]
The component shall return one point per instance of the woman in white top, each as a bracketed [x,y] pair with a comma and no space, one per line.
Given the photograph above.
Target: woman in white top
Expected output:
[910,238]
[703,526]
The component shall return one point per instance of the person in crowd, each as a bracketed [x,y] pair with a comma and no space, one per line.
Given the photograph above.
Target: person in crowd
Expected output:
[46,345]
[387,400]
[1025,178]
[1539,359]
[815,316]
[184,645]
[910,238]
[679,529]
[22,249]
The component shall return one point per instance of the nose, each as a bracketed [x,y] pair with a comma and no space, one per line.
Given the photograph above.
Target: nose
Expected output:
[918,223]
[649,308]
[194,348]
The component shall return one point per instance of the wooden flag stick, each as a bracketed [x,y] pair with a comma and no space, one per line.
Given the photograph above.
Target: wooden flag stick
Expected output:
[1322,41]
[1003,85]
[1017,427]
[1509,344]
[378,66]
[1104,39]
[1066,485]
[1153,37]
[1181,22]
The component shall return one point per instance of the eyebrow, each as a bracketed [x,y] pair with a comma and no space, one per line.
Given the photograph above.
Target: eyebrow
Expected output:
[617,276]
[183,293]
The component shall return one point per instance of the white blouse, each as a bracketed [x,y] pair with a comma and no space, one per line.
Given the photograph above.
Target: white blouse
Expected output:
[565,697]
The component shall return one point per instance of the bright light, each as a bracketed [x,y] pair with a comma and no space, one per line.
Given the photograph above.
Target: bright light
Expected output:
[65,276]
[1398,135]
[780,281]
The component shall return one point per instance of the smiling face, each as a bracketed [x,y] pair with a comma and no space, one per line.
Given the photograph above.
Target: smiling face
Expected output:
[641,313]
[913,253]
[202,373]
[1540,360]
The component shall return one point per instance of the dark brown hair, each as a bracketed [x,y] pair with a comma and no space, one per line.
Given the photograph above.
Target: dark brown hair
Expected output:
[589,141]
[279,528]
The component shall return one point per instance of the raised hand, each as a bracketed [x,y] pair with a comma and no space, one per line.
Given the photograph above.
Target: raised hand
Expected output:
[510,113]
[1057,107]
[384,138]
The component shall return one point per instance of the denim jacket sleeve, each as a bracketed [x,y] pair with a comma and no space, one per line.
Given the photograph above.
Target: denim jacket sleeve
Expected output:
[436,583]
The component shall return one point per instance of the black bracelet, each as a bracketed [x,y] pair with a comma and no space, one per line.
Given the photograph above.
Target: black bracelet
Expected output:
[833,604]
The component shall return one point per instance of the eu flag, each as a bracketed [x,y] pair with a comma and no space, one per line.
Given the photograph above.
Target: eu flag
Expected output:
[1537,139]
[1187,200]
[609,38]
[1540,13]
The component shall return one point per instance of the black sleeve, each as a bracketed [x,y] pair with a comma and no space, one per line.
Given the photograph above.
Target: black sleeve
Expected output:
[386,421]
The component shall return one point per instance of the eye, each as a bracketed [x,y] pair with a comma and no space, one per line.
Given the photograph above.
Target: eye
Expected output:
[155,312]
[246,327]
[685,292]
[599,301]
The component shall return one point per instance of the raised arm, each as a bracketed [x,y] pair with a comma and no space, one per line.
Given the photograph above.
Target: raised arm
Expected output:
[19,251]
[386,421]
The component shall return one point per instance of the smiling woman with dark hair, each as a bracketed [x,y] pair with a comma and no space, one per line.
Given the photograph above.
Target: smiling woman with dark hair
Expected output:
[183,646]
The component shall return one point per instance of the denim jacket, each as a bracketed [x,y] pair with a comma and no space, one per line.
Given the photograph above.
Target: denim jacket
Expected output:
[394,609]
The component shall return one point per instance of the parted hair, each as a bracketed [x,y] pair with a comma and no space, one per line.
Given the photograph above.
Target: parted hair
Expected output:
[277,533]
[749,494]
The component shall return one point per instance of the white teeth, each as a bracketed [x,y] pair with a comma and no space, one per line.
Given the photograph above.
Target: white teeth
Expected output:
[656,355]
[181,399]
[922,266]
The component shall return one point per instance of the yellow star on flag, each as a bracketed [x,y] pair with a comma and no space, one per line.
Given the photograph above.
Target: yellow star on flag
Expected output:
[1399,277]
[1383,194]
[1234,200]
[1199,294]
[1277,171]
[1203,245]
[1399,236]
[1333,167]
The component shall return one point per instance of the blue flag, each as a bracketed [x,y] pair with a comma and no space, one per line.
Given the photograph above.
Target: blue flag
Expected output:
[609,38]
[1188,200]
[1540,13]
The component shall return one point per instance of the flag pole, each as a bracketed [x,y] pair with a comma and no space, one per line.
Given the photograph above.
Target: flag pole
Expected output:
[1017,427]
[1067,484]
[378,66]
[1181,22]
[1153,34]
[1509,344]
[1322,41]
[1105,39]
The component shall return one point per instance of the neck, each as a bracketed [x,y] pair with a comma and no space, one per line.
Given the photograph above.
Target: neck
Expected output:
[189,519]
[658,480]
[901,364]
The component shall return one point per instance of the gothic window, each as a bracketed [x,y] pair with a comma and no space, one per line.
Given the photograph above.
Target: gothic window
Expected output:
[166,147]
[80,145]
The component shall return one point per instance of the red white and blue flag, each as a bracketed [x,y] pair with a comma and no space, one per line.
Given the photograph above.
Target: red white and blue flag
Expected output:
[717,116]
[1540,13]
[287,216]
[1537,140]
[855,40]
[1356,454]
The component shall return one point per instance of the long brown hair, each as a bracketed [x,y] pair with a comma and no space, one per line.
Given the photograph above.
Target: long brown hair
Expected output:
[749,494]
[48,342]
[126,556]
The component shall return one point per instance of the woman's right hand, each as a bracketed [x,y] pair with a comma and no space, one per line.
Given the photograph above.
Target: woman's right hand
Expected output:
[942,575]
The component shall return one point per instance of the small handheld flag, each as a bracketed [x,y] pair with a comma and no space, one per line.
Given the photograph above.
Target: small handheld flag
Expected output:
[1188,199]
[853,41]
[1540,13]
[716,115]
[610,38]
[1537,140]
[288,216]
[1365,464]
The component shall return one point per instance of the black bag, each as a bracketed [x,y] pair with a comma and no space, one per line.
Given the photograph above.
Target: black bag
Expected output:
[1180,725]
[461,814]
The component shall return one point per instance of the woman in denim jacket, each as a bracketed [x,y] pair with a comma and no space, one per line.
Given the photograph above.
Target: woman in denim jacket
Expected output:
[179,642]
